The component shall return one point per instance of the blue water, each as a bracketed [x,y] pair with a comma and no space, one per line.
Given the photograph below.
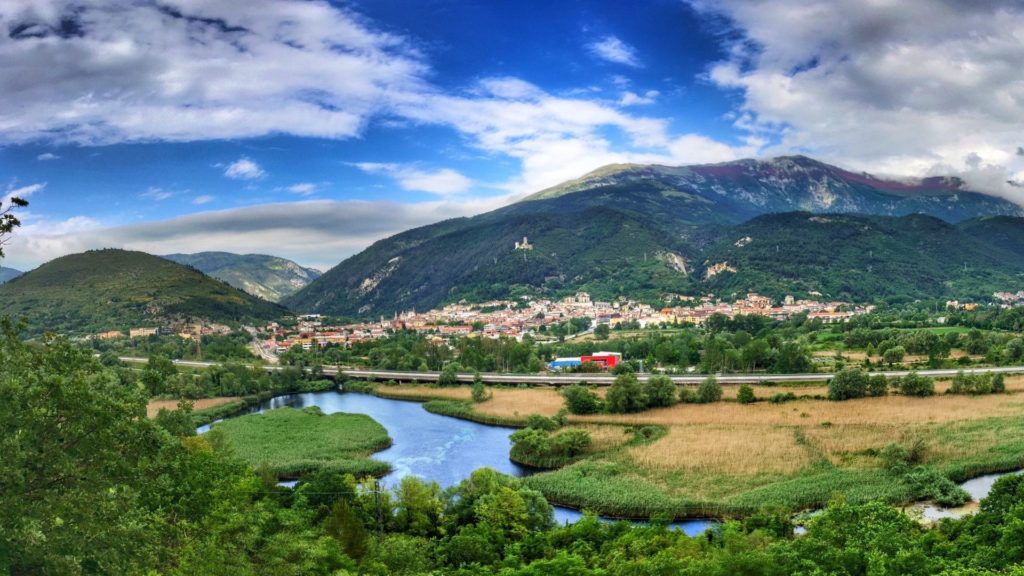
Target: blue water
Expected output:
[432,447]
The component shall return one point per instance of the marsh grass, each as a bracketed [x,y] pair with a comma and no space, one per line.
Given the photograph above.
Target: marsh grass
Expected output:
[291,442]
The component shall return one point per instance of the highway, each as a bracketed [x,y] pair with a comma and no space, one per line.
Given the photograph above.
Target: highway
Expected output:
[603,379]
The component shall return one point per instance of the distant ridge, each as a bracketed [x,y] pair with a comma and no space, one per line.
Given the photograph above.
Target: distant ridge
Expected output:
[645,231]
[7,274]
[112,289]
[269,277]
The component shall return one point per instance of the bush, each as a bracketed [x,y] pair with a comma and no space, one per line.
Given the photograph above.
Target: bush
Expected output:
[448,376]
[538,422]
[974,384]
[878,385]
[914,384]
[479,391]
[746,395]
[660,391]
[580,399]
[687,396]
[998,383]
[847,384]
[626,394]
[709,391]
[781,397]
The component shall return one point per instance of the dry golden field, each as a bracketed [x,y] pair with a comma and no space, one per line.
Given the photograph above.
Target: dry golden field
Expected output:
[154,406]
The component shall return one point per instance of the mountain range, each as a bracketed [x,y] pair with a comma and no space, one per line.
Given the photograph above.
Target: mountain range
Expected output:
[643,231]
[269,277]
[103,290]
[8,274]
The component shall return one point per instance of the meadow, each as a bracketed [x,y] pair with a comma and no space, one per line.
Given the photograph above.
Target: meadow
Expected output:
[727,458]
[289,442]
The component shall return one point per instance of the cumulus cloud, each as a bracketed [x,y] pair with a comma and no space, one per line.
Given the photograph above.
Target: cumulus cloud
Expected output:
[103,71]
[443,182]
[556,138]
[633,99]
[892,87]
[318,233]
[47,156]
[244,169]
[614,50]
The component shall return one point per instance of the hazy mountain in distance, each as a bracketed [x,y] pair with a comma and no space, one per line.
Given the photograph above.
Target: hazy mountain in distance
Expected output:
[269,277]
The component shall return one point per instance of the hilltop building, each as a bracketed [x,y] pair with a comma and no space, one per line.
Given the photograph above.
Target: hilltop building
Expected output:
[524,245]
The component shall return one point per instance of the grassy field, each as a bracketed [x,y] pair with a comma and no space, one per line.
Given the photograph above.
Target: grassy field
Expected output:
[154,406]
[727,458]
[291,442]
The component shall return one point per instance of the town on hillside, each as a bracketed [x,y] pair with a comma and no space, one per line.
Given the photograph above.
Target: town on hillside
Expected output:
[516,319]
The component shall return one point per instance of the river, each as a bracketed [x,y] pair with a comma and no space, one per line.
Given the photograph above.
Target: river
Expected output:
[430,446]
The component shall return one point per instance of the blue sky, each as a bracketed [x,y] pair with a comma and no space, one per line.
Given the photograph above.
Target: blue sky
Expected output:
[310,129]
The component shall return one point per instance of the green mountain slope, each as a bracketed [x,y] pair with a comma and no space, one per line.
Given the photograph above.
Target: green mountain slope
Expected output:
[1005,232]
[622,230]
[8,274]
[859,258]
[116,289]
[269,277]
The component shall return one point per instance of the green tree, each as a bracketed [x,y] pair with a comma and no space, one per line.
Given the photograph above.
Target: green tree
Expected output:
[448,376]
[580,399]
[660,391]
[894,355]
[8,222]
[709,391]
[626,394]
[878,385]
[479,391]
[847,384]
[914,384]
[602,332]
[418,507]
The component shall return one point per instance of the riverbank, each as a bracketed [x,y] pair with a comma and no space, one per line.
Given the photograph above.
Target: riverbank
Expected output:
[727,460]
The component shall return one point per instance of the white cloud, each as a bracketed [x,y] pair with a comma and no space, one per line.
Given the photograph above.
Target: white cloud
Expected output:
[98,71]
[443,182]
[244,169]
[303,188]
[614,50]
[47,156]
[204,199]
[318,233]
[555,138]
[634,99]
[907,87]
[158,194]
[22,192]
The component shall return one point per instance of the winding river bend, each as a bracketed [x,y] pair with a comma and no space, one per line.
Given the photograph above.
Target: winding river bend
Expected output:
[446,450]
[429,446]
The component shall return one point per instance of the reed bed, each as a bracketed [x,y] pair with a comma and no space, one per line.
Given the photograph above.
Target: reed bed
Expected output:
[724,450]
[154,406]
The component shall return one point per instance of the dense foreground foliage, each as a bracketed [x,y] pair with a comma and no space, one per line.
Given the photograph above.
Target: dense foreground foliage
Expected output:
[88,485]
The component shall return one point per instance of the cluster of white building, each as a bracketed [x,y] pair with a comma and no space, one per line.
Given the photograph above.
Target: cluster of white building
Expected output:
[516,318]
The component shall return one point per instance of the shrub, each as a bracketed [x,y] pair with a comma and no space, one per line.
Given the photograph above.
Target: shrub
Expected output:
[626,394]
[848,383]
[780,397]
[746,395]
[538,422]
[660,391]
[914,384]
[479,391]
[998,383]
[687,396]
[974,384]
[878,385]
[709,391]
[448,376]
[580,399]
